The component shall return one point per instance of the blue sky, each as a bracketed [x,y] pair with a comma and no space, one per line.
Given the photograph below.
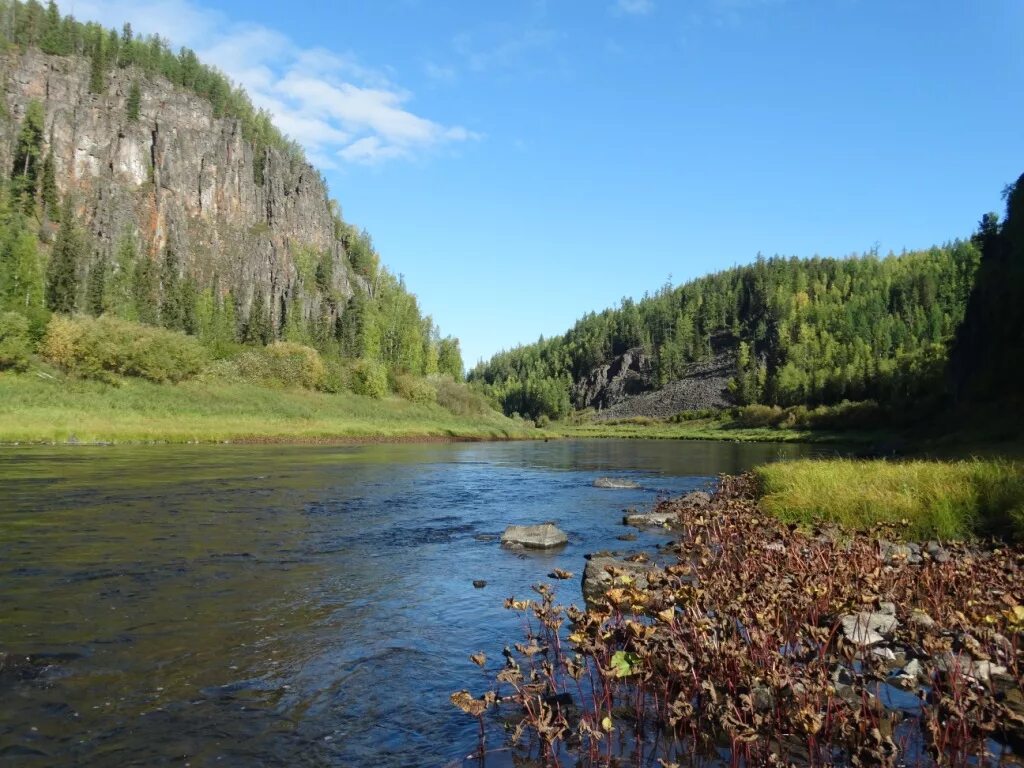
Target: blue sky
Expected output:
[521,163]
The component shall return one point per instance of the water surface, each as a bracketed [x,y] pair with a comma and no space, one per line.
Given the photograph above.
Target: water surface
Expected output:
[269,605]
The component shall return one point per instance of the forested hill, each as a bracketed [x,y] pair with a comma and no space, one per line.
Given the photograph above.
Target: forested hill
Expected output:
[140,184]
[807,331]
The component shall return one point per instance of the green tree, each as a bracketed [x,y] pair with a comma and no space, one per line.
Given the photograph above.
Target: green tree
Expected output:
[95,291]
[134,104]
[449,358]
[53,39]
[27,152]
[257,327]
[172,309]
[146,297]
[98,66]
[49,192]
[65,261]
[120,283]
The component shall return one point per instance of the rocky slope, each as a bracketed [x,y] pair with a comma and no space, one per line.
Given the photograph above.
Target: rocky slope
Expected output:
[177,177]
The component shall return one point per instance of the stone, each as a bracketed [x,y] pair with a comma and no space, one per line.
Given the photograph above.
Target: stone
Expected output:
[479,583]
[867,628]
[598,579]
[695,499]
[920,619]
[650,519]
[627,537]
[543,536]
[618,483]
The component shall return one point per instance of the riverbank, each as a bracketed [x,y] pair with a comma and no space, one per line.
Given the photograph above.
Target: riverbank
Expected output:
[887,653]
[50,408]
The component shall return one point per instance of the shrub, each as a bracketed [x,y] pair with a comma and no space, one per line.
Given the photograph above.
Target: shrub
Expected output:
[369,378]
[759,416]
[415,389]
[695,415]
[337,376]
[283,364]
[460,399]
[99,348]
[15,341]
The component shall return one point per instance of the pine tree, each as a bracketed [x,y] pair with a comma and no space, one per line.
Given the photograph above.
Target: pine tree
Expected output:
[95,290]
[146,295]
[120,284]
[257,327]
[62,277]
[53,39]
[49,193]
[98,68]
[134,101]
[27,151]
[172,311]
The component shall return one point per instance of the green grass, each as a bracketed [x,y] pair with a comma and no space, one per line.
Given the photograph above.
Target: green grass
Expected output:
[35,408]
[708,429]
[945,500]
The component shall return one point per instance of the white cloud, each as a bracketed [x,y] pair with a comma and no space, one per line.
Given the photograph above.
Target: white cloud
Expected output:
[328,101]
[634,7]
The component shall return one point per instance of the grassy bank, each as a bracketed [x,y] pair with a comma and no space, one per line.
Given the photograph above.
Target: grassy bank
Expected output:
[713,428]
[35,408]
[936,499]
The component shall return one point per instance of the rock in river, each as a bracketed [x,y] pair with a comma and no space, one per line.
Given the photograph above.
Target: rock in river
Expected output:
[544,536]
[615,482]
[650,519]
[601,571]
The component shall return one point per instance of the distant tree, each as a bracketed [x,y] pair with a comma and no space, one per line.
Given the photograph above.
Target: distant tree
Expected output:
[27,152]
[449,358]
[95,291]
[134,101]
[53,39]
[119,290]
[172,309]
[68,254]
[98,67]
[146,297]
[48,192]
[257,326]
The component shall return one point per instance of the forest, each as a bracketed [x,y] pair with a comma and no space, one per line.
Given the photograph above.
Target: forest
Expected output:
[806,331]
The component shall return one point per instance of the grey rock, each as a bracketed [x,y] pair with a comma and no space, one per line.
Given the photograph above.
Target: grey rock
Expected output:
[867,628]
[543,536]
[650,519]
[920,619]
[479,583]
[615,483]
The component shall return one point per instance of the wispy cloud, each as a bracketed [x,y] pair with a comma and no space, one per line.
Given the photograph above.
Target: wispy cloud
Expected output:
[485,51]
[339,109]
[634,7]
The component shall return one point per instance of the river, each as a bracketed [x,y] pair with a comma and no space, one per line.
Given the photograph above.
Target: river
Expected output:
[274,605]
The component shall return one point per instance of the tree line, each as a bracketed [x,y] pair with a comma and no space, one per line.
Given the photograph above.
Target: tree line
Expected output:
[804,331]
[30,24]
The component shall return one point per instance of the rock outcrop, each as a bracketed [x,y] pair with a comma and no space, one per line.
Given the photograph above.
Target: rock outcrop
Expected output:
[178,177]
[628,374]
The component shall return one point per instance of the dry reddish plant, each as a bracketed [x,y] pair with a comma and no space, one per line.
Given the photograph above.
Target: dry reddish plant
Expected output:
[767,645]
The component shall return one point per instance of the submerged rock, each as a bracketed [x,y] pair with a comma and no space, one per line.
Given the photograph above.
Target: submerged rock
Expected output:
[479,583]
[615,482]
[543,536]
[598,575]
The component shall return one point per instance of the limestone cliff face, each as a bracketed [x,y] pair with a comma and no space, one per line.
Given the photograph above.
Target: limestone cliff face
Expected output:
[178,178]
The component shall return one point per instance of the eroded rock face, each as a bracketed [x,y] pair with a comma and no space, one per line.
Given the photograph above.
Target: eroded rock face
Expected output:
[177,177]
[544,536]
[628,374]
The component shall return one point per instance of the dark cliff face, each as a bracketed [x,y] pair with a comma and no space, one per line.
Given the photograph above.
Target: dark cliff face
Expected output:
[177,177]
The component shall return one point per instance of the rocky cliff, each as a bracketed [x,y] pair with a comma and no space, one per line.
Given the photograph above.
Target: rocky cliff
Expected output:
[177,177]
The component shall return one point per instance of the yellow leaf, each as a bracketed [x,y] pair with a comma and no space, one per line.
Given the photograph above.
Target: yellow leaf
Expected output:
[606,724]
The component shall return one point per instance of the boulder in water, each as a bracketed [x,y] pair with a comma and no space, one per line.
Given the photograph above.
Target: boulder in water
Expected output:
[615,482]
[543,536]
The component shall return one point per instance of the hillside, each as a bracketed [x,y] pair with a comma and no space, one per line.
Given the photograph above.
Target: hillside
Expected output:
[793,331]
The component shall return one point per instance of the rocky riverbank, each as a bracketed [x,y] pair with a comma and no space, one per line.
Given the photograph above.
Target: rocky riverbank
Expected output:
[779,645]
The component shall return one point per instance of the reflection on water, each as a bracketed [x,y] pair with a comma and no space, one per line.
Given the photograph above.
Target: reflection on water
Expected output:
[244,605]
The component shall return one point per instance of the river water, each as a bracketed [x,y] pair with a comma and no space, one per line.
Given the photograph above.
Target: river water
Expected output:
[269,605]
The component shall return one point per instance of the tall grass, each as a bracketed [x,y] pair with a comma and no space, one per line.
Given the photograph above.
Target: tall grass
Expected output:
[945,500]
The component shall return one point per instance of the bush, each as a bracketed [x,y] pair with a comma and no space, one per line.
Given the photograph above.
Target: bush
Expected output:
[99,348]
[337,376]
[369,378]
[415,389]
[758,416]
[15,341]
[283,364]
[460,399]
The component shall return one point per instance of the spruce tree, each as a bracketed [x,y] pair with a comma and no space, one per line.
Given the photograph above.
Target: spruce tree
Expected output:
[49,193]
[53,39]
[146,299]
[257,327]
[134,101]
[27,151]
[62,277]
[98,69]
[95,288]
[172,314]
